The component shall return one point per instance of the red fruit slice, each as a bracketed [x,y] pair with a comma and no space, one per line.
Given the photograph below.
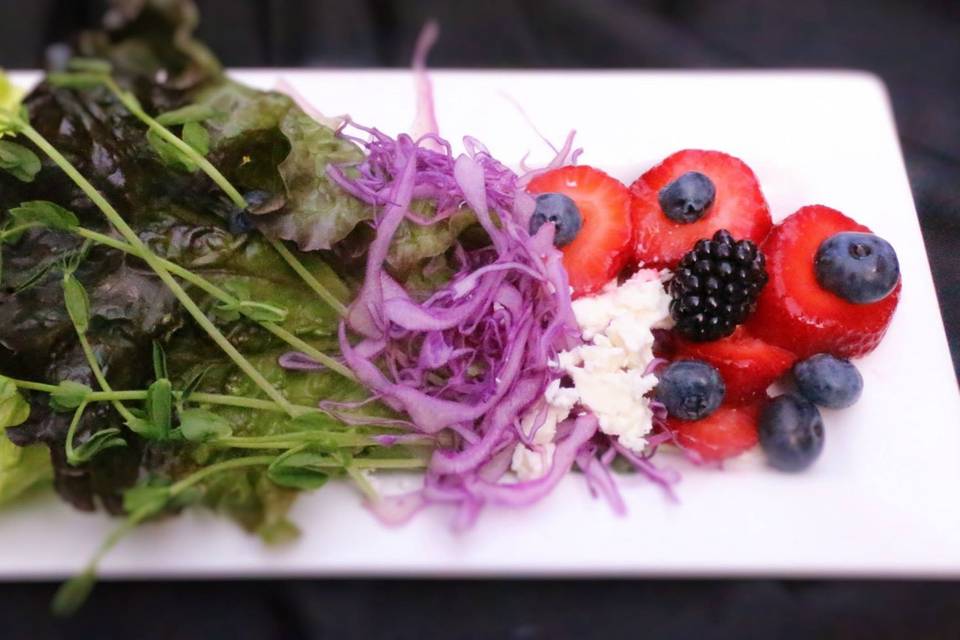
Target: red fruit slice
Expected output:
[795,312]
[725,433]
[748,365]
[739,206]
[604,244]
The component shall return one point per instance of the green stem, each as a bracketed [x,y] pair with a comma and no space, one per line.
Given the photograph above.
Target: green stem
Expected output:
[33,386]
[237,463]
[109,396]
[307,277]
[389,463]
[213,290]
[72,430]
[240,401]
[101,378]
[235,196]
[67,600]
[154,262]
[198,397]
[289,440]
[126,527]
[134,107]
[313,352]
[18,229]
[362,483]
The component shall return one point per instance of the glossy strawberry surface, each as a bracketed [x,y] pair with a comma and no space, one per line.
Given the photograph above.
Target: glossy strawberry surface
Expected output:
[738,206]
[795,312]
[747,364]
[604,243]
[727,432]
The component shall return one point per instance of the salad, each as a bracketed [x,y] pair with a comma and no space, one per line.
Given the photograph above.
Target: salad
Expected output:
[213,296]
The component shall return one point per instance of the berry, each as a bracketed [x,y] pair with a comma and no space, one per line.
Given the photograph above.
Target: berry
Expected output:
[827,381]
[687,198]
[690,389]
[738,205]
[604,244]
[747,365]
[795,312]
[727,432]
[715,287]
[562,212]
[791,432]
[859,267]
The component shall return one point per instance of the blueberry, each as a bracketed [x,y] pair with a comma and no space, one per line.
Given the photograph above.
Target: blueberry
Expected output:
[791,432]
[690,389]
[562,212]
[859,267]
[687,198]
[827,381]
[239,222]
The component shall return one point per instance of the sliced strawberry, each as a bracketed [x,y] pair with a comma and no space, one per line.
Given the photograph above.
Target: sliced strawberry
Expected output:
[725,433]
[748,365]
[795,312]
[604,243]
[738,206]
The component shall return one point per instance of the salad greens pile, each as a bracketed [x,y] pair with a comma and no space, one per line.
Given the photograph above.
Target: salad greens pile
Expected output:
[146,202]
[210,296]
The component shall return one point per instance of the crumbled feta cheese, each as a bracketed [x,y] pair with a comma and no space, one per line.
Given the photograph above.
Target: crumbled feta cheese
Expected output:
[540,423]
[607,370]
[529,464]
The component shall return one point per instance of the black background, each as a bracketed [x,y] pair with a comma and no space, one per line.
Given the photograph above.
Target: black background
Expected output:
[913,45]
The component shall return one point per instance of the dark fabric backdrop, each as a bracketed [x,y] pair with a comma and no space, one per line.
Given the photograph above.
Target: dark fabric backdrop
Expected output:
[914,45]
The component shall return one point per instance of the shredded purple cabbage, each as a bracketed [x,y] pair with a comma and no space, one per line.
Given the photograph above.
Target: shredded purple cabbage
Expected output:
[474,357]
[425,120]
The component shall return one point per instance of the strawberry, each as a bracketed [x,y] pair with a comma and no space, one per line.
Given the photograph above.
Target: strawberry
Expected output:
[604,243]
[725,433]
[795,312]
[735,204]
[748,365]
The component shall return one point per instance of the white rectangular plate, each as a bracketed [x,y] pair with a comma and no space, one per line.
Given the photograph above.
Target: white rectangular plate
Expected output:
[880,501]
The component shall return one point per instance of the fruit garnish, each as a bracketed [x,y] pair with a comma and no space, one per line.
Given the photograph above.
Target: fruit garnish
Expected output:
[690,389]
[827,381]
[602,247]
[791,432]
[747,364]
[687,198]
[663,194]
[562,212]
[858,267]
[795,312]
[715,287]
[727,432]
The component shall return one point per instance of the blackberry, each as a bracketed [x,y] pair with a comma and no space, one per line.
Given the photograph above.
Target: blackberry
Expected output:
[715,286]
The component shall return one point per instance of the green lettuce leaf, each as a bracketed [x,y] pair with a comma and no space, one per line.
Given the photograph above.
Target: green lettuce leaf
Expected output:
[10,94]
[22,468]
[152,39]
[248,496]
[413,243]
[267,142]
[261,141]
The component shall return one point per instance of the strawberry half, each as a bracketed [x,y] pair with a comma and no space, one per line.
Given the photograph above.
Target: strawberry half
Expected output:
[604,244]
[798,314]
[748,365]
[738,206]
[725,433]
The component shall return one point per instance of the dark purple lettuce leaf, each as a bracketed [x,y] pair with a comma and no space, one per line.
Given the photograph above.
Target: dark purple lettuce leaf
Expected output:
[265,141]
[152,41]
